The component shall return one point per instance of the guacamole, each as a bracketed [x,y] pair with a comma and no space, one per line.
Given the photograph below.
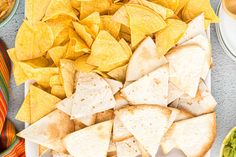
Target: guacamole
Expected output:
[229,149]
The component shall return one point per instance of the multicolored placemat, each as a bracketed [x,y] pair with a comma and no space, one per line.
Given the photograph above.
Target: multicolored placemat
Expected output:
[10,144]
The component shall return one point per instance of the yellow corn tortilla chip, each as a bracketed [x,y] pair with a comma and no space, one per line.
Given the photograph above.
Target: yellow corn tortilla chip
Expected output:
[59,23]
[93,23]
[75,4]
[163,11]
[57,53]
[181,5]
[41,103]
[19,74]
[24,112]
[33,42]
[107,53]
[55,80]
[143,21]
[195,7]
[169,36]
[110,26]
[114,7]
[41,75]
[119,73]
[121,16]
[83,33]
[67,69]
[88,7]
[35,9]
[59,7]
[58,91]
[82,65]
[104,75]
[76,47]
[125,33]
[63,37]
[172,4]
[126,47]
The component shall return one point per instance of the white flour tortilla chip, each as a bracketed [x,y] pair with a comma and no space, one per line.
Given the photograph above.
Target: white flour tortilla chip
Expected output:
[120,132]
[144,60]
[115,85]
[193,136]
[148,123]
[204,43]
[195,27]
[93,94]
[203,102]
[128,148]
[185,64]
[150,89]
[49,130]
[91,141]
[173,92]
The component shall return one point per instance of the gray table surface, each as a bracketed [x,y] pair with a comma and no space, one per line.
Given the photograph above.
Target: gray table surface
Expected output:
[223,81]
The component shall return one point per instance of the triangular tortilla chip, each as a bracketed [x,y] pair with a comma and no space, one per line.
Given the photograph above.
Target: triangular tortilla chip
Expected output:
[83,33]
[33,42]
[164,12]
[35,9]
[196,134]
[128,148]
[204,43]
[41,75]
[55,80]
[139,16]
[59,24]
[92,22]
[120,132]
[91,141]
[185,63]
[105,116]
[203,102]
[195,27]
[115,85]
[82,65]
[67,68]
[65,105]
[147,123]
[121,16]
[195,7]
[76,47]
[118,73]
[49,130]
[59,7]
[107,53]
[24,112]
[144,60]
[58,91]
[150,89]
[172,4]
[93,94]
[120,101]
[41,103]
[170,35]
[87,8]
[110,26]
[173,92]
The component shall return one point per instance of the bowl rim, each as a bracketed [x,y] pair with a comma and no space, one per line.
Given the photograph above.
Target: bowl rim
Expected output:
[220,38]
[12,13]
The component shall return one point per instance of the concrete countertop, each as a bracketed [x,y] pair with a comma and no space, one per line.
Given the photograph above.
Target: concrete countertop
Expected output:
[223,81]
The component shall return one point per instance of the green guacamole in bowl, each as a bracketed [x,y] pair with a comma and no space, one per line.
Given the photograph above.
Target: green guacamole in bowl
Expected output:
[228,148]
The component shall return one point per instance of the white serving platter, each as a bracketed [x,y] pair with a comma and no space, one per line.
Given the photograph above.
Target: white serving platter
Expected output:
[32,149]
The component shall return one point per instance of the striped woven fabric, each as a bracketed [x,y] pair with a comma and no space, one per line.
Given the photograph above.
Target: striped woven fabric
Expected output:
[10,144]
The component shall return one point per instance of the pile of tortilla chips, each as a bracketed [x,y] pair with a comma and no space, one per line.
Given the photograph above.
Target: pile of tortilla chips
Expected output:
[112,77]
